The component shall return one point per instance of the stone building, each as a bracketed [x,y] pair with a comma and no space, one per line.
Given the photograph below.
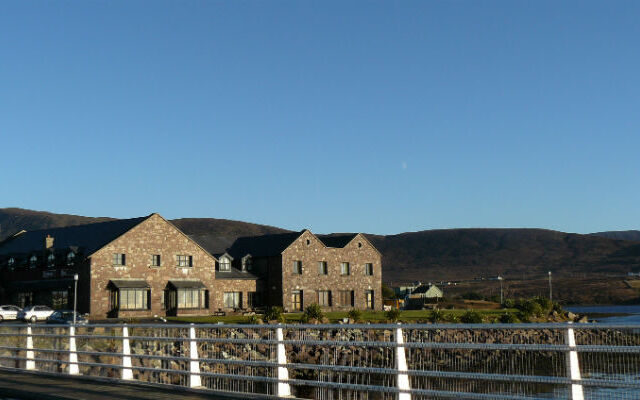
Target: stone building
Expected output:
[146,266]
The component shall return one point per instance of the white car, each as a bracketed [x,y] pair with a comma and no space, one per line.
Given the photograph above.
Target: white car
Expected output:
[9,313]
[36,313]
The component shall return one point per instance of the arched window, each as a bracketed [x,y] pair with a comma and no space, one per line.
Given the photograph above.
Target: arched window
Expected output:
[51,260]
[11,262]
[33,261]
[71,257]
[225,264]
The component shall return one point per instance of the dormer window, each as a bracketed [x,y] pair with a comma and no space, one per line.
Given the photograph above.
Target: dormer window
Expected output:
[51,260]
[246,263]
[33,261]
[225,264]
[71,257]
[11,262]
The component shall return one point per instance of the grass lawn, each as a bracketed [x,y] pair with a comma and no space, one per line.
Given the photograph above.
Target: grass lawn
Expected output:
[410,316]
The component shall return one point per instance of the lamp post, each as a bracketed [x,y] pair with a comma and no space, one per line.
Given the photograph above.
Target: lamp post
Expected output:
[75,297]
[501,299]
[550,291]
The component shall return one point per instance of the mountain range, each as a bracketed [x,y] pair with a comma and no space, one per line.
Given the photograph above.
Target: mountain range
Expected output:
[442,254]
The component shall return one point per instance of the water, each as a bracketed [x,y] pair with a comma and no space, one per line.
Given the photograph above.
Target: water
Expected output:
[610,314]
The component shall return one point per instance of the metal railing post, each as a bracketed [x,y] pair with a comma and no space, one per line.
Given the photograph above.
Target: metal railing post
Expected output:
[194,376]
[31,364]
[573,366]
[284,390]
[402,379]
[73,356]
[127,372]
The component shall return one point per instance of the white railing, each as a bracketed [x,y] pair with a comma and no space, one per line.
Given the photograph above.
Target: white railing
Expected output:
[365,361]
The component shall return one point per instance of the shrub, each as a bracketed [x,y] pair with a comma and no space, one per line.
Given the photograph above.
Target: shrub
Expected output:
[392,315]
[508,303]
[313,311]
[253,320]
[471,317]
[453,318]
[530,307]
[545,303]
[508,318]
[436,316]
[273,314]
[355,315]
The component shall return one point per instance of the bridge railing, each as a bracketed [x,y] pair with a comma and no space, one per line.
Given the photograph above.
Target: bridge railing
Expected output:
[362,361]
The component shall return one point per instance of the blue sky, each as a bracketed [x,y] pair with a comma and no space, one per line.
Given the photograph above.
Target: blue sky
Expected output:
[369,116]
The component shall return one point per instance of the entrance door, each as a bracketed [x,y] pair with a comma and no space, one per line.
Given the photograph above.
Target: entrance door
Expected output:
[171,302]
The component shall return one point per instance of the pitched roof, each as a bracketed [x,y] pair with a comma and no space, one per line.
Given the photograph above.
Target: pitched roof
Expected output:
[90,237]
[263,246]
[234,273]
[337,240]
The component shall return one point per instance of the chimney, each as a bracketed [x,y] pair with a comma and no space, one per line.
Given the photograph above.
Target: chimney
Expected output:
[48,242]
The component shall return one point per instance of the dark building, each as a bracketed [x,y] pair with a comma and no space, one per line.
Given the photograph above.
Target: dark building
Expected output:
[146,266]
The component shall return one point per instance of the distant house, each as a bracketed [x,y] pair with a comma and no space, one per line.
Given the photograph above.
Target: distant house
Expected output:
[423,295]
[404,291]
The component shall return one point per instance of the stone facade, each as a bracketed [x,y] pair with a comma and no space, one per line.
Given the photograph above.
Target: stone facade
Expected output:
[154,236]
[310,251]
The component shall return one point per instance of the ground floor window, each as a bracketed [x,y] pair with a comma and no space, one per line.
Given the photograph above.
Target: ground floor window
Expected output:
[24,299]
[346,298]
[324,298]
[59,299]
[254,299]
[192,298]
[130,299]
[369,299]
[233,299]
[296,300]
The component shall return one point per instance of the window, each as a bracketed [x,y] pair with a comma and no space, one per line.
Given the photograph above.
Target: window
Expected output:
[51,260]
[296,300]
[71,258]
[233,299]
[119,259]
[184,260]
[11,262]
[134,299]
[25,299]
[368,295]
[254,299]
[225,264]
[59,299]
[346,298]
[368,269]
[33,261]
[155,260]
[192,298]
[345,269]
[246,263]
[324,298]
[322,268]
[297,267]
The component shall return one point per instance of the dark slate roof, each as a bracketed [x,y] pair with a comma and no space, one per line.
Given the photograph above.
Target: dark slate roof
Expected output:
[90,237]
[212,243]
[130,283]
[263,246]
[339,240]
[187,284]
[234,273]
[423,289]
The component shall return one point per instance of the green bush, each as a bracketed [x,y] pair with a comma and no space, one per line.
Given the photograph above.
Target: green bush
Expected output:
[253,320]
[436,316]
[355,315]
[471,317]
[313,311]
[508,318]
[392,315]
[529,308]
[545,304]
[453,318]
[508,303]
[273,314]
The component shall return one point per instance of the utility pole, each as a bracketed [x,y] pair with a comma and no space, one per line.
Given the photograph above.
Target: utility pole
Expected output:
[550,290]
[75,298]
[501,298]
